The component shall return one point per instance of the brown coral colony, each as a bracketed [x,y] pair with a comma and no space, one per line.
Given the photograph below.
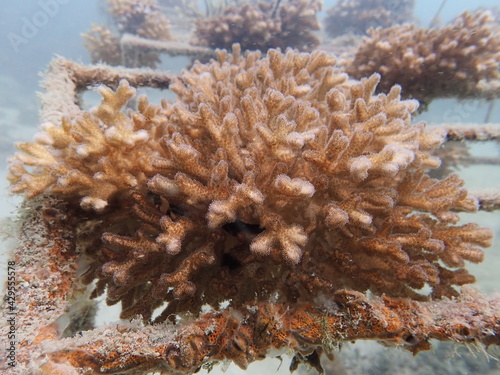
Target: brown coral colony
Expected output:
[142,18]
[261,25]
[270,178]
[430,63]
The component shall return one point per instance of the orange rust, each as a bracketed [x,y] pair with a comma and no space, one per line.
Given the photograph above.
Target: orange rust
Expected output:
[49,332]
[218,336]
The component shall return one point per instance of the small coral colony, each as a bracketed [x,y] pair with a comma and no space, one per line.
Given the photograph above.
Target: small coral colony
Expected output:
[276,176]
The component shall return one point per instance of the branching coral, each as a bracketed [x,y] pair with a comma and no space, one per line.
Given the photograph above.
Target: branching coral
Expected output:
[87,157]
[270,178]
[138,17]
[50,299]
[262,25]
[431,63]
[103,45]
[356,16]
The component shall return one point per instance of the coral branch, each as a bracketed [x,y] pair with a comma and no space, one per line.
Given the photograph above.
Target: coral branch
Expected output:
[65,79]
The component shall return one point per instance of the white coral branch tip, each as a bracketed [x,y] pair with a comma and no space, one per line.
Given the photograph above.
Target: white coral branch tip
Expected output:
[295,187]
[97,204]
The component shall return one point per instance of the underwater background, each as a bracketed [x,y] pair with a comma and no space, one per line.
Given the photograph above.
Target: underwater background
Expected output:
[22,63]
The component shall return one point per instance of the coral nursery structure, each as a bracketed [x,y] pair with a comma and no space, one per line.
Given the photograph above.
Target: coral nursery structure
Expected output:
[143,29]
[137,17]
[272,184]
[428,63]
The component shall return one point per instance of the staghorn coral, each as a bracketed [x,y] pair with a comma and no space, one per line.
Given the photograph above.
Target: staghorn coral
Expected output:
[356,16]
[269,178]
[47,264]
[430,63]
[103,45]
[261,25]
[87,157]
[137,17]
